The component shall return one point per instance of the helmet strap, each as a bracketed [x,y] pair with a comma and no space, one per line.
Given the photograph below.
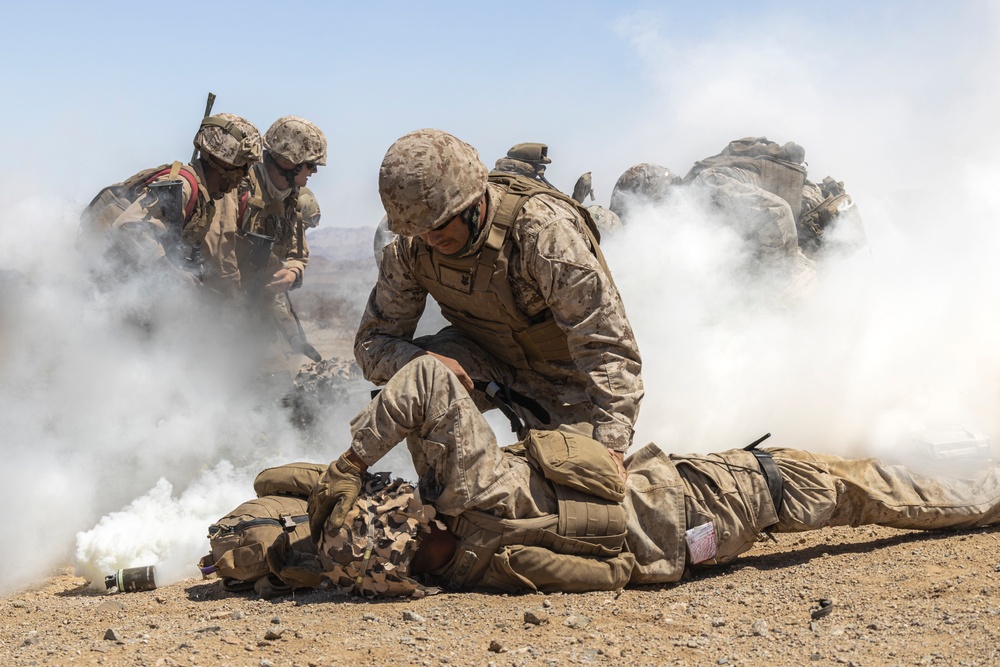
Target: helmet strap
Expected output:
[288,174]
[470,217]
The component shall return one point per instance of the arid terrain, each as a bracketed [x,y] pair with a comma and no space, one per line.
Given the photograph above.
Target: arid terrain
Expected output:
[898,598]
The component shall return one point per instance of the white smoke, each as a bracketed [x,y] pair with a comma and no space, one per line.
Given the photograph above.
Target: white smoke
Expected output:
[112,398]
[897,338]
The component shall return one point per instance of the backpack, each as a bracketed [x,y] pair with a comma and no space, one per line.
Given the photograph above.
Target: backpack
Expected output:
[240,540]
[781,166]
[112,201]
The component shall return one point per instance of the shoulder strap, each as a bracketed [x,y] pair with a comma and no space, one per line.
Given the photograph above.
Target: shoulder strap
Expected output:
[175,170]
[242,208]
[519,190]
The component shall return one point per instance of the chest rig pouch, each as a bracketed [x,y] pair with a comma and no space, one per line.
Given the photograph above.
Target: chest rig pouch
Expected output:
[474,291]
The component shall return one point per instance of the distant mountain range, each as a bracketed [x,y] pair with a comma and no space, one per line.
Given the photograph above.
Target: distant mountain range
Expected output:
[342,244]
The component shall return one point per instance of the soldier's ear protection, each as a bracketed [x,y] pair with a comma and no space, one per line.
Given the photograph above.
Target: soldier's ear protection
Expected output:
[471,216]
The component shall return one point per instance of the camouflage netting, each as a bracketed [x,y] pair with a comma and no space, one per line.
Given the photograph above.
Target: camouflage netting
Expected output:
[372,551]
[319,385]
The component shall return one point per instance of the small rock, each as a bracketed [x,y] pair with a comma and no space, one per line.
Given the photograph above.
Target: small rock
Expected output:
[496,647]
[576,622]
[264,662]
[547,604]
[718,622]
[274,633]
[32,638]
[412,616]
[112,635]
[759,628]
[276,621]
[535,618]
[370,617]
[237,615]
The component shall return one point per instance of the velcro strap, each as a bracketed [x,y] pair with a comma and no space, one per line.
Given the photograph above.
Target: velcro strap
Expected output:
[772,476]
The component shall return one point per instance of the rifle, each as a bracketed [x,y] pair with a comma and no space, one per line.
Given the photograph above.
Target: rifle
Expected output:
[208,112]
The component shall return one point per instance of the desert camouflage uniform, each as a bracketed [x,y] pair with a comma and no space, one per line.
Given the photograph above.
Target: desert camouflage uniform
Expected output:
[552,270]
[271,212]
[455,453]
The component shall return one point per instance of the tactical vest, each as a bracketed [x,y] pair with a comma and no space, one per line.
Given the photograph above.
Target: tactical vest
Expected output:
[778,175]
[276,219]
[579,549]
[474,291]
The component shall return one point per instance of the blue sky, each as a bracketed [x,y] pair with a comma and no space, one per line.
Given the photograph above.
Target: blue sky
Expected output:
[97,91]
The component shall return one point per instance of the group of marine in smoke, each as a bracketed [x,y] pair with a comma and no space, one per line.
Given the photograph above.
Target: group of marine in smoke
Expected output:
[231,222]
[540,333]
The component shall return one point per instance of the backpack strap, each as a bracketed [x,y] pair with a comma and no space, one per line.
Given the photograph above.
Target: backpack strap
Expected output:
[242,208]
[518,190]
[175,170]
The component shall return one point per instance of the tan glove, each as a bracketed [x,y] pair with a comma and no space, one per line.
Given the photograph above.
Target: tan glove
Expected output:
[333,496]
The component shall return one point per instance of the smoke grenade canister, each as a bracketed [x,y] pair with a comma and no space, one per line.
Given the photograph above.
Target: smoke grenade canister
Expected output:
[132,579]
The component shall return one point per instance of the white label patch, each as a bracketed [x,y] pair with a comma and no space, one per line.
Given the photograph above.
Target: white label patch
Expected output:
[701,542]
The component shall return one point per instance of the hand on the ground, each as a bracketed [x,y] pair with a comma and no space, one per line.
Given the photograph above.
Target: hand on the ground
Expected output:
[333,496]
[455,368]
[281,281]
[619,458]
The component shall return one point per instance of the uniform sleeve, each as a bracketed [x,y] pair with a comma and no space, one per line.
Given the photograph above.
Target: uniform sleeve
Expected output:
[297,256]
[384,341]
[587,307]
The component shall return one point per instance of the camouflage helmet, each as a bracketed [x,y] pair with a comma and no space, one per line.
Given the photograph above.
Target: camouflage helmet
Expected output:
[307,208]
[296,140]
[645,180]
[428,177]
[229,138]
[371,553]
[607,221]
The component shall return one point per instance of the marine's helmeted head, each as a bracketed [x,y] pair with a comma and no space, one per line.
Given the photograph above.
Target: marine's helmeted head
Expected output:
[307,208]
[229,138]
[296,140]
[641,183]
[428,177]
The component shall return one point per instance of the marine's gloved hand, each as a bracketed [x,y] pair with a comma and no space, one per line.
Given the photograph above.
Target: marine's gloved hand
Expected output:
[333,496]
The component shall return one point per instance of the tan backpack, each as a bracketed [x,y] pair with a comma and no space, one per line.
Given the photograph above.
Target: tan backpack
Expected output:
[240,540]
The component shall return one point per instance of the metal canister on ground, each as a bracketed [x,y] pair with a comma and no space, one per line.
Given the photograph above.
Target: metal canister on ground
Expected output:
[132,579]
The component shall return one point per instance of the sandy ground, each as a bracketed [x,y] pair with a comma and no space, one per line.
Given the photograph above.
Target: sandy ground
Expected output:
[899,598]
